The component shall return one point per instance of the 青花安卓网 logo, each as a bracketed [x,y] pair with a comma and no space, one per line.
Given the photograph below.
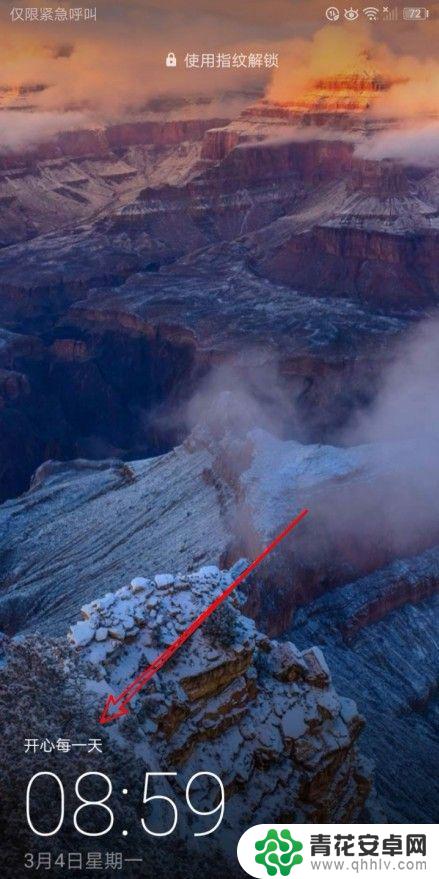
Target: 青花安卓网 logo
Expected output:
[278,852]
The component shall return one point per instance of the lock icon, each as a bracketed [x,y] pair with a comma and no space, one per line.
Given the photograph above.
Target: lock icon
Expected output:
[171,60]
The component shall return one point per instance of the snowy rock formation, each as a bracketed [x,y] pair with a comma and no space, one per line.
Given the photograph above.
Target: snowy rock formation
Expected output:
[261,714]
[367,600]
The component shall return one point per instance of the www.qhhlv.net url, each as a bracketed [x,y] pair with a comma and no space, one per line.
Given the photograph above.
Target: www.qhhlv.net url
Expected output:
[377,864]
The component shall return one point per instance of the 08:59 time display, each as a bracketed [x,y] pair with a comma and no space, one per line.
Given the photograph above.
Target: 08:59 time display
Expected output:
[103,806]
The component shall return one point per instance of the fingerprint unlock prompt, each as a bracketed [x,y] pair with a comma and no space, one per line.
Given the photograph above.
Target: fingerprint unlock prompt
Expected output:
[278,852]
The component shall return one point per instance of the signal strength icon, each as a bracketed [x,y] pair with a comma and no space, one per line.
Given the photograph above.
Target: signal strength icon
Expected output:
[390,14]
[371,12]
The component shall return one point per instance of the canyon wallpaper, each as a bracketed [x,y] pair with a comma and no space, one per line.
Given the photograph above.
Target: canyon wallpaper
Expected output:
[219,300]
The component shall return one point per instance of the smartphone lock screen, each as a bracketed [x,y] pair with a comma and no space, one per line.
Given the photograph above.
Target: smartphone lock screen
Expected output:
[219,439]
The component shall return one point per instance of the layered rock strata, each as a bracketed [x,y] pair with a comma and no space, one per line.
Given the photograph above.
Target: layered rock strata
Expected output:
[259,713]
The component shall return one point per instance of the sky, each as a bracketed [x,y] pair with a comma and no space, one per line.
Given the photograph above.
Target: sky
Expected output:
[98,71]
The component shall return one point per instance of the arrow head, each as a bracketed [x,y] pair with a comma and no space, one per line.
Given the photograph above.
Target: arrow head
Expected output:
[113,709]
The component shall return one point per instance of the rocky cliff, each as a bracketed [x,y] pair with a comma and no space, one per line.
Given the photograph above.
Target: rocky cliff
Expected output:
[165,330]
[338,582]
[166,245]
[260,714]
[378,634]
[349,101]
[79,174]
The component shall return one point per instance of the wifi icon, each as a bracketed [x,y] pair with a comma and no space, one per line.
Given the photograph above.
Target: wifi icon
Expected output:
[372,13]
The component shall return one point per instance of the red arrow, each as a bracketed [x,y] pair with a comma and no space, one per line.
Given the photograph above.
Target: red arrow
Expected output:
[117,707]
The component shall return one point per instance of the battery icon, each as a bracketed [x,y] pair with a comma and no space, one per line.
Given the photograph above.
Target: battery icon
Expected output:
[415,13]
